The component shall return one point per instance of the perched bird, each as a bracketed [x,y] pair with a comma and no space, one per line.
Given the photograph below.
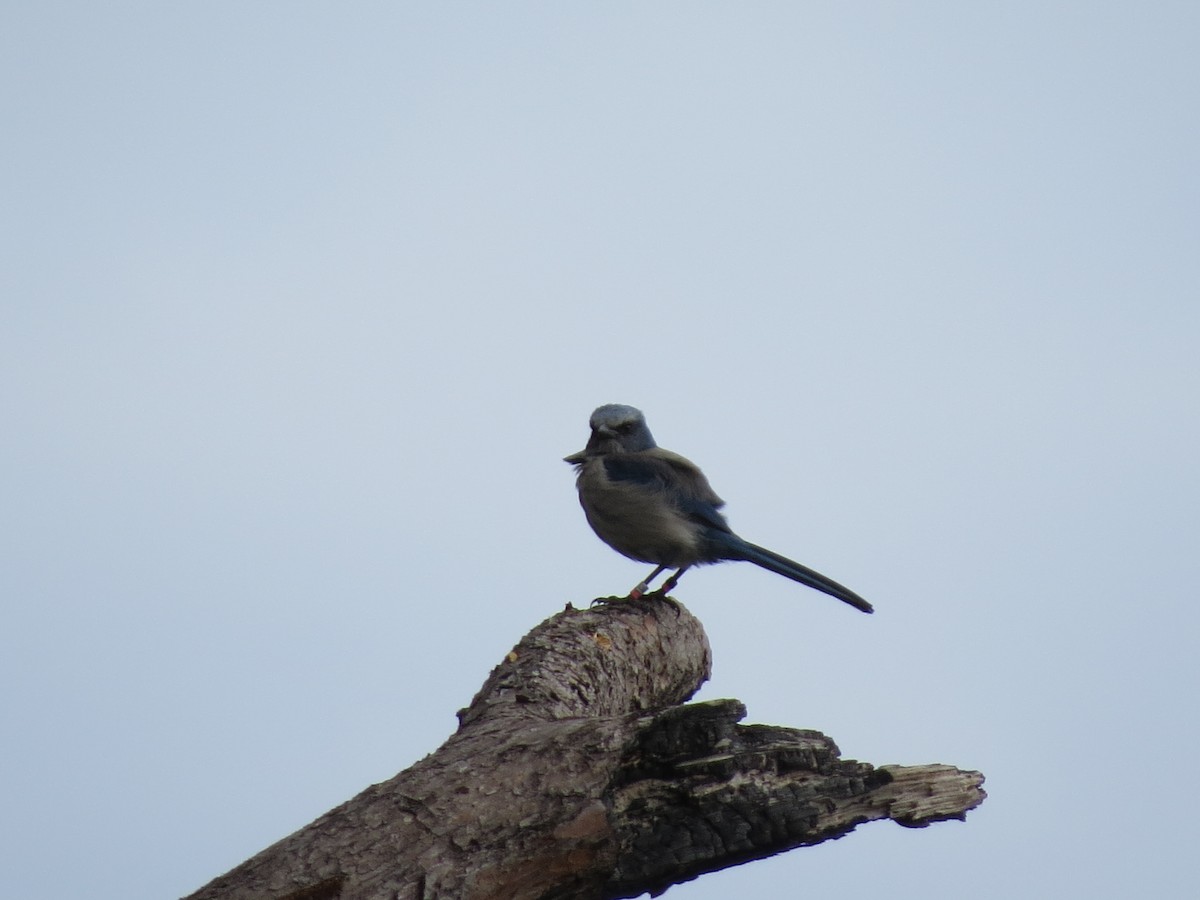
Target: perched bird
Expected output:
[654,506]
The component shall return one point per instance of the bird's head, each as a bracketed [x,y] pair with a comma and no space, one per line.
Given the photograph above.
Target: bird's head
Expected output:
[616,428]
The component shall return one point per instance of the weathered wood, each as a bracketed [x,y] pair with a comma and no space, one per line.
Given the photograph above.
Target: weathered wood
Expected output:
[577,773]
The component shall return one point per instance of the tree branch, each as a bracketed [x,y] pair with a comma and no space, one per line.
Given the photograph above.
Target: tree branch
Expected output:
[577,773]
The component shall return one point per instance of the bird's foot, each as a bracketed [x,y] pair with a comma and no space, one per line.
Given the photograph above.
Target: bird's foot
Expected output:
[604,601]
[639,592]
[661,596]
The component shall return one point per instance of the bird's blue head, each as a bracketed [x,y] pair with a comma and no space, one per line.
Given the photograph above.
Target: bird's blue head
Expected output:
[616,428]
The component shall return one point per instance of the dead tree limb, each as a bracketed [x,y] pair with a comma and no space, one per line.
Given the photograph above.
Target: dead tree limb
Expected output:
[577,772]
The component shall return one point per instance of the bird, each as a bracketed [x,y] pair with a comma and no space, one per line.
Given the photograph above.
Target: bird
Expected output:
[655,506]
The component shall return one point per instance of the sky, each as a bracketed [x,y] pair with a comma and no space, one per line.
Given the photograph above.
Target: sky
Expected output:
[303,304]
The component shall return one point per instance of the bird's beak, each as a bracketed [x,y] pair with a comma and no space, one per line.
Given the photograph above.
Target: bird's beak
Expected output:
[600,434]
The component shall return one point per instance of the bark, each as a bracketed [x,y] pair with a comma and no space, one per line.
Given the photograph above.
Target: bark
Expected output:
[579,772]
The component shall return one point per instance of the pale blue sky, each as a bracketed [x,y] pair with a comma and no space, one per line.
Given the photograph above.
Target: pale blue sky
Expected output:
[304,303]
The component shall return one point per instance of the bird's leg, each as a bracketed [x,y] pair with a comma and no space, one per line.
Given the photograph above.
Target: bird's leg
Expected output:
[644,585]
[670,583]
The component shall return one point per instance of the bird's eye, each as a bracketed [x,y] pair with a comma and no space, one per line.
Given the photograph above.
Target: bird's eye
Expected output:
[625,428]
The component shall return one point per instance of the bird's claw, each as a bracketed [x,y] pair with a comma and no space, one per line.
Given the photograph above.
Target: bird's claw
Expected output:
[670,601]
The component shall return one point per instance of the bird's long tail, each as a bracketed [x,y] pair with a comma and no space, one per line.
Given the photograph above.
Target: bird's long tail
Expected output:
[781,565]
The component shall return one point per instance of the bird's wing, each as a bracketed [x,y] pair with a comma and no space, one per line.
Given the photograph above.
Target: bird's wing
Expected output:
[676,477]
